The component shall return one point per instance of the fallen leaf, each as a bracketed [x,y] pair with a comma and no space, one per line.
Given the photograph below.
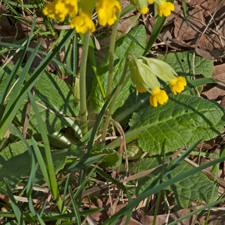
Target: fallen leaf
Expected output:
[161,219]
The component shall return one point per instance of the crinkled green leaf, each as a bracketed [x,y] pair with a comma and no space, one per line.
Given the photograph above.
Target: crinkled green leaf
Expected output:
[182,63]
[196,186]
[122,47]
[15,162]
[179,122]
[112,158]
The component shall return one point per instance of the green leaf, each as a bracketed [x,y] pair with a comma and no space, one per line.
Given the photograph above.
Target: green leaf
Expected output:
[174,124]
[15,162]
[134,103]
[196,186]
[182,63]
[112,158]
[54,96]
[122,47]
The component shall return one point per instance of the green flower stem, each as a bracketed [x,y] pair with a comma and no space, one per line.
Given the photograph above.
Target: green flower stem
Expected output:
[109,114]
[83,108]
[111,55]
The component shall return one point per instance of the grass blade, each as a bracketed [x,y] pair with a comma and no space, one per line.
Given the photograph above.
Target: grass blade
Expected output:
[41,161]
[50,165]
[14,71]
[155,33]
[75,207]
[17,213]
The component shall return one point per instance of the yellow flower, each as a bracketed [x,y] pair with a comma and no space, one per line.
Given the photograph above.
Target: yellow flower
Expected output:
[143,11]
[158,96]
[140,89]
[151,1]
[177,85]
[165,8]
[82,23]
[141,5]
[107,10]
[60,9]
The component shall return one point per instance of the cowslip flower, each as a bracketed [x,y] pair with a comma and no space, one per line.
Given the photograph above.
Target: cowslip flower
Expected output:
[158,96]
[82,23]
[145,80]
[106,10]
[165,8]
[166,73]
[141,5]
[144,73]
[59,9]
[177,85]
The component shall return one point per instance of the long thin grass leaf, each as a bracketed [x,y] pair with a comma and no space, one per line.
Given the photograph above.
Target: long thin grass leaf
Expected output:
[18,214]
[50,216]
[40,220]
[43,208]
[9,114]
[83,163]
[31,179]
[33,5]
[17,46]
[65,188]
[79,189]
[185,9]
[109,178]
[16,68]
[195,212]
[41,161]
[126,10]
[97,123]
[155,32]
[36,75]
[50,165]
[75,207]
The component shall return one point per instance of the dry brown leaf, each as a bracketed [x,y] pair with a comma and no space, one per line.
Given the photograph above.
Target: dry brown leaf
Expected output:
[216,91]
[161,219]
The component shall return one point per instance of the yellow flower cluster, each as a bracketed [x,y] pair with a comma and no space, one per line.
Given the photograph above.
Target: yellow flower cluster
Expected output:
[144,73]
[82,23]
[164,8]
[59,9]
[106,10]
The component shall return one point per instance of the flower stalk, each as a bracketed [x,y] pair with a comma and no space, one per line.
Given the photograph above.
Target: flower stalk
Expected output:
[110,111]
[111,54]
[83,104]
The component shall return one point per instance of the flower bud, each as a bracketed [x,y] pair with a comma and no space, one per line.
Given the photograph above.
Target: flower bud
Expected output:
[141,73]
